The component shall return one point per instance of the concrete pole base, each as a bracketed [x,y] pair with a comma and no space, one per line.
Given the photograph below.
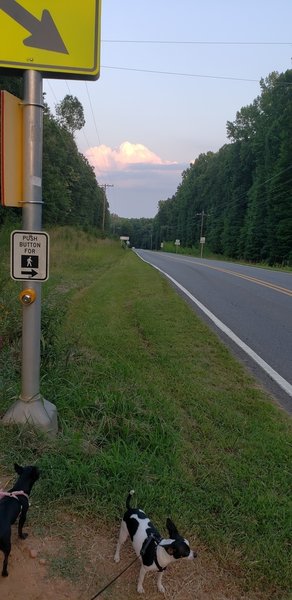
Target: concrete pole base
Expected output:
[38,412]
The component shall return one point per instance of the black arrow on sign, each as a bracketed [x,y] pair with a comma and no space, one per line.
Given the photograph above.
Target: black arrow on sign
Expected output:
[44,33]
[32,273]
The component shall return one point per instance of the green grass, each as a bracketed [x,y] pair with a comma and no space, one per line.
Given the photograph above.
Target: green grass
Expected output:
[149,399]
[196,252]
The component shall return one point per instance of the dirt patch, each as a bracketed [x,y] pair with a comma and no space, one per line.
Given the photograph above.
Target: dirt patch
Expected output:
[28,579]
[79,562]
[74,559]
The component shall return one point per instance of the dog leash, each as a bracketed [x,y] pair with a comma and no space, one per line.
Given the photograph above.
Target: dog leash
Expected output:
[113,580]
[143,550]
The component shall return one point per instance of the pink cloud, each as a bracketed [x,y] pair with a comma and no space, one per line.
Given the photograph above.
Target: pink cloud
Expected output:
[103,158]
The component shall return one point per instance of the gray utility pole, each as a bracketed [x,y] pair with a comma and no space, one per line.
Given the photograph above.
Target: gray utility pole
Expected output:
[202,215]
[31,407]
[104,187]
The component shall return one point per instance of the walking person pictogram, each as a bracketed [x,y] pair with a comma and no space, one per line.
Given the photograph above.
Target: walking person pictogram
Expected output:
[28,262]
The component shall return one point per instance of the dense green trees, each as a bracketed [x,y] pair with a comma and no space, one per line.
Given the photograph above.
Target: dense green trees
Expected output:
[71,193]
[245,189]
[140,231]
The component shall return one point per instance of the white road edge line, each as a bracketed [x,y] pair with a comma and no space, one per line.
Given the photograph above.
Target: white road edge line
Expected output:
[285,385]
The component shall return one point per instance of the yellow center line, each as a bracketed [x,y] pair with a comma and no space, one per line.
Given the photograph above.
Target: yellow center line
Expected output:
[272,286]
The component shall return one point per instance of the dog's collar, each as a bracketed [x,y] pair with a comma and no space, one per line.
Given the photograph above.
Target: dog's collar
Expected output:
[157,540]
[157,563]
[14,494]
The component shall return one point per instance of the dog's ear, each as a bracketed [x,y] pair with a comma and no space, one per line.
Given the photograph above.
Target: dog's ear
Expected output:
[172,530]
[18,468]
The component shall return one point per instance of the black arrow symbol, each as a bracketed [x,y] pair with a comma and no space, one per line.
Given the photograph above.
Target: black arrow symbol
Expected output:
[44,33]
[32,272]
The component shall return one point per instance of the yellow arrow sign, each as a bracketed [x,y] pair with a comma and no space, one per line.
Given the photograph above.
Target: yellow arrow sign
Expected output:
[60,39]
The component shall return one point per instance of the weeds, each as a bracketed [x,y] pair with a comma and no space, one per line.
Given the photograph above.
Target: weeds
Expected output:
[148,398]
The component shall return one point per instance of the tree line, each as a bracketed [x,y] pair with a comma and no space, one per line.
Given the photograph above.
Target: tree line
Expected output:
[244,189]
[71,194]
[239,198]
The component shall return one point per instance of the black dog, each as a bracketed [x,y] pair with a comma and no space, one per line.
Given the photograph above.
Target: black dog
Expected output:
[13,504]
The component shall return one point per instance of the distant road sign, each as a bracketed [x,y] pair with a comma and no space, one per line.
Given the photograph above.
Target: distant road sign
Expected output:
[60,39]
[29,255]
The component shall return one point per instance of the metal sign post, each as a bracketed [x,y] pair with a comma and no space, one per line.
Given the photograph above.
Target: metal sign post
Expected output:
[40,41]
[31,406]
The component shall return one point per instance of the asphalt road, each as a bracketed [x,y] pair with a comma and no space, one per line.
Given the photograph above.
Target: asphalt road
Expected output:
[250,308]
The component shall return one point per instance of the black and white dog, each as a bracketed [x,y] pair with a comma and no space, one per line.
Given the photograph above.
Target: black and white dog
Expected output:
[156,553]
[14,504]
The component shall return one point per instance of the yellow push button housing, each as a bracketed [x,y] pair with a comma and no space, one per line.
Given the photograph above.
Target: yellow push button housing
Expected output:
[27,297]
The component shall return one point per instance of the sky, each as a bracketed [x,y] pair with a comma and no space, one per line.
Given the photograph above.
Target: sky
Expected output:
[172,74]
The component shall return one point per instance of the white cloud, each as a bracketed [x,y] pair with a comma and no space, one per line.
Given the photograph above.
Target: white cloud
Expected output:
[139,178]
[106,159]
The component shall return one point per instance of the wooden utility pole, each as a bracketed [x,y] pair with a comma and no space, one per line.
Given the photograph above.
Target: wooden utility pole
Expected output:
[202,215]
[104,187]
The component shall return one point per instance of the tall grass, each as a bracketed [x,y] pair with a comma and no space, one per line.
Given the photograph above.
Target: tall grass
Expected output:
[148,398]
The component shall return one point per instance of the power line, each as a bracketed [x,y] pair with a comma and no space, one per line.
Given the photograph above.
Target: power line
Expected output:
[195,42]
[221,77]
[92,113]
[95,125]
[52,90]
[182,74]
[262,199]
[83,131]
[56,100]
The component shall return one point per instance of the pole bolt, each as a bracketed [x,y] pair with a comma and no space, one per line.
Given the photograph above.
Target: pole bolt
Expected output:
[27,297]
